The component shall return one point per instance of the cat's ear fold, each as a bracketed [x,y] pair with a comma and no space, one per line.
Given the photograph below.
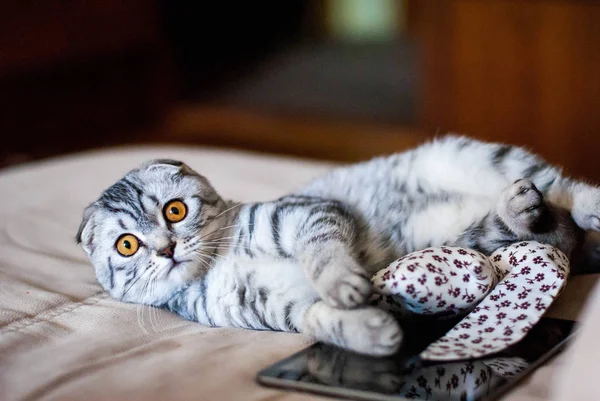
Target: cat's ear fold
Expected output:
[175,164]
[85,236]
[162,162]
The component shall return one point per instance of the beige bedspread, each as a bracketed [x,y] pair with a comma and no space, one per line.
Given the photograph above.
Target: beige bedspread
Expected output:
[63,338]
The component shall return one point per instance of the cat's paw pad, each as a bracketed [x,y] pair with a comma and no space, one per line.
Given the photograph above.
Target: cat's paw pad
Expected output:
[522,206]
[382,333]
[348,290]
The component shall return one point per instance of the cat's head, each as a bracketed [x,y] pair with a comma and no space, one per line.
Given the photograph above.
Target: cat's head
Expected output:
[152,232]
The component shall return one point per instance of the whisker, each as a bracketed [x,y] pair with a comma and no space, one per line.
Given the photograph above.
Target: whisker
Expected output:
[218,240]
[224,246]
[135,281]
[242,236]
[150,286]
[139,314]
[222,257]
[224,243]
[229,242]
[153,311]
[227,210]
[203,261]
[220,229]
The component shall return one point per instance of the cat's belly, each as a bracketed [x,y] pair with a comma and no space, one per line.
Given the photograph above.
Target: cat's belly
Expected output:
[440,223]
[258,293]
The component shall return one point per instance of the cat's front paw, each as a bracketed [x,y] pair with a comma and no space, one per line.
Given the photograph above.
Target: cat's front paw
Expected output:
[344,288]
[522,206]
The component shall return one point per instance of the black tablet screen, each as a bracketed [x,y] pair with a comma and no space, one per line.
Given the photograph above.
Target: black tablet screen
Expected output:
[329,370]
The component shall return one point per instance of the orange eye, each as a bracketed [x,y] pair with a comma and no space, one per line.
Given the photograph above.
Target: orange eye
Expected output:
[127,244]
[175,211]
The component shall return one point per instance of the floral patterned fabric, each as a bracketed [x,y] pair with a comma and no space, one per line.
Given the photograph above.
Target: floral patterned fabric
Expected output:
[506,294]
[444,281]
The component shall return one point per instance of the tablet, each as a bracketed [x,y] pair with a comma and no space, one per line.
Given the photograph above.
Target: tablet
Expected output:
[328,370]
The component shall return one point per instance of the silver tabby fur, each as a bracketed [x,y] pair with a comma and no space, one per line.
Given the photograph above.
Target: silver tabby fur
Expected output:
[302,262]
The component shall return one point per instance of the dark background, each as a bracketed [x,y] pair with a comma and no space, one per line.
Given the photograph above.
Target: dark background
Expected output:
[282,77]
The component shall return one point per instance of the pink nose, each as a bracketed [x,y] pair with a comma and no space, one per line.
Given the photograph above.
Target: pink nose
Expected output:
[168,251]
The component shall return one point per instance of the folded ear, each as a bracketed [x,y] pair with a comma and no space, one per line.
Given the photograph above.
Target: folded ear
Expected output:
[162,162]
[85,235]
[183,168]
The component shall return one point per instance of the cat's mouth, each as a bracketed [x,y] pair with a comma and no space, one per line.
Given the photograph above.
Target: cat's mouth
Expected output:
[175,263]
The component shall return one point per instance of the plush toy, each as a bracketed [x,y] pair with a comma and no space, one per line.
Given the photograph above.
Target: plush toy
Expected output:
[502,296]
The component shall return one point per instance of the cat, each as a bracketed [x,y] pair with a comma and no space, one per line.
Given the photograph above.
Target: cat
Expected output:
[162,236]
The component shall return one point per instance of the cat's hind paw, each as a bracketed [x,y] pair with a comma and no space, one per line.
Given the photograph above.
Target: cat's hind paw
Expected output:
[367,330]
[378,335]
[522,207]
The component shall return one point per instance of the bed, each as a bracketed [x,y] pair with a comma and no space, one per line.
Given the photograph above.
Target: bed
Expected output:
[63,338]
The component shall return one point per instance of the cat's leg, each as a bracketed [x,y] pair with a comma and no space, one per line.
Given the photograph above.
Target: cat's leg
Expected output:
[522,214]
[474,167]
[316,233]
[586,258]
[582,199]
[366,330]
[336,275]
[325,247]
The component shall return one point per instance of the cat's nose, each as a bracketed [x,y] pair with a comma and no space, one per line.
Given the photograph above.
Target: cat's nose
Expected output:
[168,251]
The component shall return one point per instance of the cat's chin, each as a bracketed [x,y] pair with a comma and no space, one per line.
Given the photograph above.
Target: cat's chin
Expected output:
[176,265]
[189,271]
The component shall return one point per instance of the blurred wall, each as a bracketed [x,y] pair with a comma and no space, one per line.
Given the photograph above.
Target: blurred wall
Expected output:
[334,79]
[525,72]
[77,74]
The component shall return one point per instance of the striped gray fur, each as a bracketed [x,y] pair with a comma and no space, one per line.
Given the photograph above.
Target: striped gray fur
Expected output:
[303,262]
